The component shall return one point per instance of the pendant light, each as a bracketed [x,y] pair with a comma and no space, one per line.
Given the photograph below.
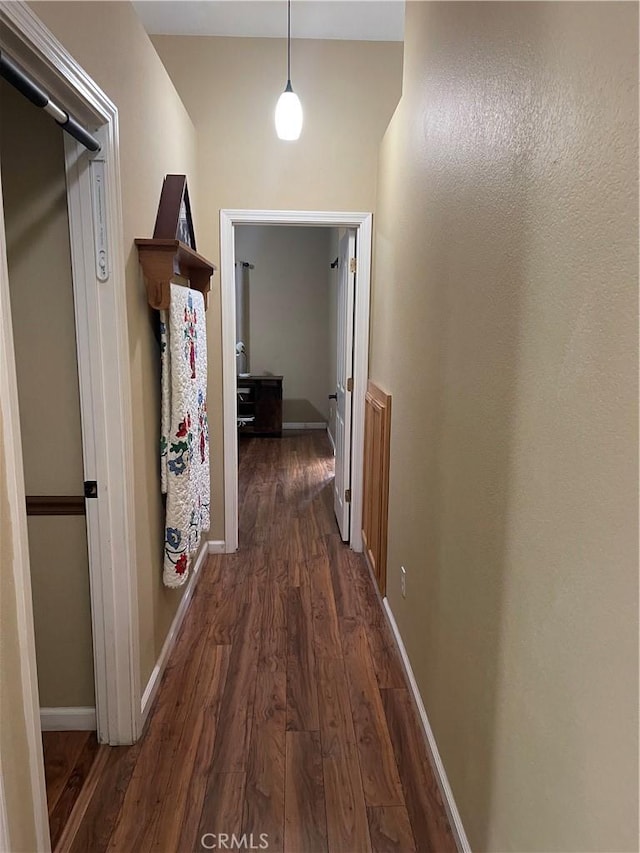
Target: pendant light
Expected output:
[288,108]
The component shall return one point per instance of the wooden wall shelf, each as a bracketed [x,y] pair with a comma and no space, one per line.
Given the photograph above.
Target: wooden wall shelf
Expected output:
[162,260]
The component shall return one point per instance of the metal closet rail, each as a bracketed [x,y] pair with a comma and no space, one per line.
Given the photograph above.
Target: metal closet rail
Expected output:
[16,77]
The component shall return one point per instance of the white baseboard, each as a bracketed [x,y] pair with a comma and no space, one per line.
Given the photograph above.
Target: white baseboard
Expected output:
[154,681]
[68,719]
[217,546]
[313,425]
[332,440]
[436,762]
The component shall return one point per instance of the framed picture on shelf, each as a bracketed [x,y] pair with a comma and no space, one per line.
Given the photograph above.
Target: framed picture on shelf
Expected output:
[174,220]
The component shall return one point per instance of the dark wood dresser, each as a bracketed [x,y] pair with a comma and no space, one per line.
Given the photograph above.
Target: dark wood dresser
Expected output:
[260,405]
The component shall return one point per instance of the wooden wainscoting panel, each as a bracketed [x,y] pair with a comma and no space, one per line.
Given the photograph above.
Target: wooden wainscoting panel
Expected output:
[375,508]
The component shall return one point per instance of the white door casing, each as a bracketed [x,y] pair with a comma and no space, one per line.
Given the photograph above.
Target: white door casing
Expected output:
[104,391]
[344,378]
[361,223]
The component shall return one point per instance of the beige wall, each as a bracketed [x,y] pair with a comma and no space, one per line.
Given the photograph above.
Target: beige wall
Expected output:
[289,321]
[230,87]
[156,137]
[37,230]
[505,326]
[62,610]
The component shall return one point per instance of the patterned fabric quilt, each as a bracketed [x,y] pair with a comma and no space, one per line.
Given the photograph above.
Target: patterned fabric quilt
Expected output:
[184,452]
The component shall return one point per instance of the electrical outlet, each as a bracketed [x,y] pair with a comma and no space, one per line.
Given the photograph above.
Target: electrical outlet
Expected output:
[403,581]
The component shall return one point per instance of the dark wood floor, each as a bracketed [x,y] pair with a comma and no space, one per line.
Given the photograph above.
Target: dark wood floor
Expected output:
[283,712]
[68,759]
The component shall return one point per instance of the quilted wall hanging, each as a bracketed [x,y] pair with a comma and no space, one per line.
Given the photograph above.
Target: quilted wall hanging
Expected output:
[185,432]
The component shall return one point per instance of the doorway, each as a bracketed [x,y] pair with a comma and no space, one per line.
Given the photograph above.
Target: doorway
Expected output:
[42,312]
[285,320]
[94,207]
[361,225]
[287,281]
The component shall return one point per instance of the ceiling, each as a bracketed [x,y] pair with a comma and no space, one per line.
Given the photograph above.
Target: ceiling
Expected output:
[359,20]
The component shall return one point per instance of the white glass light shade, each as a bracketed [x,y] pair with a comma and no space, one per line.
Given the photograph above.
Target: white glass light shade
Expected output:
[288,115]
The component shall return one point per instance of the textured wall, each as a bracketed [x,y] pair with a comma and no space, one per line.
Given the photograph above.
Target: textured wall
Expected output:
[156,138]
[289,313]
[505,326]
[230,87]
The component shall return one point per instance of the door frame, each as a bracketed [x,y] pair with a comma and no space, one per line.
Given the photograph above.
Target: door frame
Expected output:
[362,224]
[105,400]
[343,419]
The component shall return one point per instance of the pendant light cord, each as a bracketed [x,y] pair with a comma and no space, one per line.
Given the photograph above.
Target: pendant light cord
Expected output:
[289,41]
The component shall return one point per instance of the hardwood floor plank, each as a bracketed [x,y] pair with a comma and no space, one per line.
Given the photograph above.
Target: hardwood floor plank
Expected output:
[194,801]
[265,516]
[257,560]
[389,669]
[380,778]
[344,590]
[347,824]
[294,549]
[101,815]
[305,826]
[336,718]
[81,805]
[265,788]
[222,807]
[424,804]
[310,530]
[223,618]
[391,830]
[302,691]
[236,711]
[154,764]
[61,751]
[189,646]
[68,797]
[192,759]
[326,630]
[273,649]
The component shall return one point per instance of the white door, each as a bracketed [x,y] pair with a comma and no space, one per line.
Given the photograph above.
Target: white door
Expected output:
[344,382]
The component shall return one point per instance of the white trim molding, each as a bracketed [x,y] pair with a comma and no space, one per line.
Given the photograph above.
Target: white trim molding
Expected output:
[217,546]
[68,719]
[315,425]
[436,761]
[362,223]
[155,678]
[105,396]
